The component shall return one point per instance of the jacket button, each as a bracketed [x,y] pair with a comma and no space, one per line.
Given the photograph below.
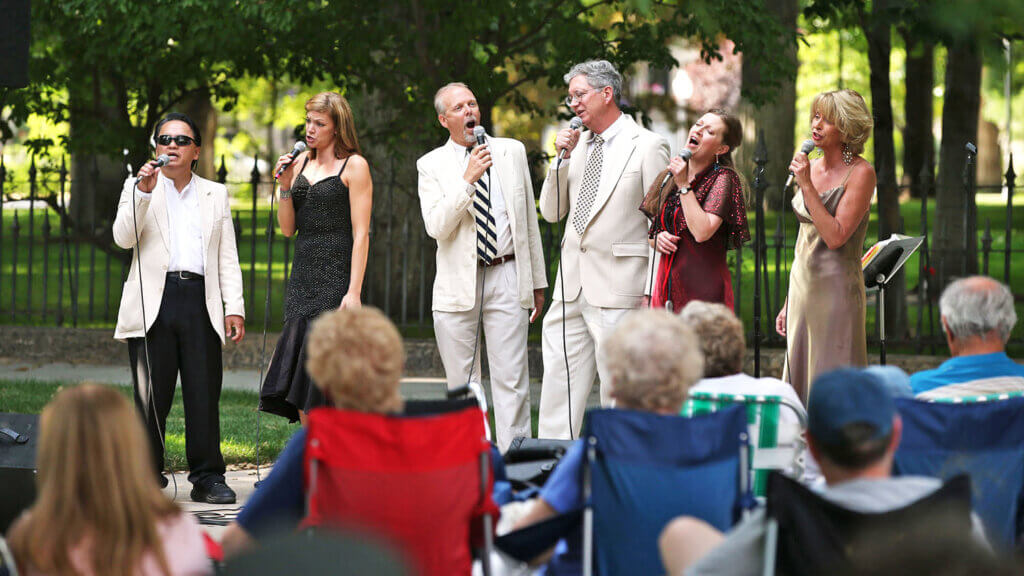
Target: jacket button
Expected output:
[583,250]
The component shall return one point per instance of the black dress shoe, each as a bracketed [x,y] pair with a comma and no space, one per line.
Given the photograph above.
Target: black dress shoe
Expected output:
[214,493]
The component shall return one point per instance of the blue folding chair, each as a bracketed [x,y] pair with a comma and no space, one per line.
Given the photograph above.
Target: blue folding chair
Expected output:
[642,470]
[985,440]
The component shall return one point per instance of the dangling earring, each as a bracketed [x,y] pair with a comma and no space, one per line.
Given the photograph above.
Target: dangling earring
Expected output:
[716,161]
[847,154]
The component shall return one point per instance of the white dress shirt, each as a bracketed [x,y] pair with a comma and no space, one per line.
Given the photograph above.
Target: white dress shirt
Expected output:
[498,210]
[185,225]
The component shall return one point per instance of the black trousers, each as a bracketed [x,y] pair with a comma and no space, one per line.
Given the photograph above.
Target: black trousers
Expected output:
[182,340]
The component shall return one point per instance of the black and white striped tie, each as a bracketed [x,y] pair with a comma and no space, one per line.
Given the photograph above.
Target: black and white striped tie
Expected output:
[486,236]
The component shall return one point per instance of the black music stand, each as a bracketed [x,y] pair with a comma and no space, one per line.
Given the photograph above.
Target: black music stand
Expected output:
[880,268]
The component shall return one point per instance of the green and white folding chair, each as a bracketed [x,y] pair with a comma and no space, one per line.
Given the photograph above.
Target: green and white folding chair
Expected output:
[770,452]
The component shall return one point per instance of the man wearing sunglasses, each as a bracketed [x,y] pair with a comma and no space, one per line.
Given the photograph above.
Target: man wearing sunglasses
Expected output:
[598,189]
[182,298]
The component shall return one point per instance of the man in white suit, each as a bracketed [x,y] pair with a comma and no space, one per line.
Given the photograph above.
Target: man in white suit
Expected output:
[185,298]
[602,272]
[478,203]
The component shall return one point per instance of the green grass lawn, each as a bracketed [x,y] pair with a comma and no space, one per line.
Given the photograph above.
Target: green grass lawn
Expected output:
[237,421]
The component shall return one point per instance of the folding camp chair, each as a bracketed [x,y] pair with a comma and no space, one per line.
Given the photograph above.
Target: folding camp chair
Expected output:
[420,481]
[7,567]
[772,448]
[642,470]
[806,534]
[984,439]
[968,398]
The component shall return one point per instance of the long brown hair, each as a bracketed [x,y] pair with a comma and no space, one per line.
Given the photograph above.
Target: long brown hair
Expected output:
[95,488]
[346,143]
[654,200]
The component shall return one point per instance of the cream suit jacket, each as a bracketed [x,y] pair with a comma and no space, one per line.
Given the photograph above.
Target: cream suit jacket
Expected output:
[220,256]
[609,262]
[447,208]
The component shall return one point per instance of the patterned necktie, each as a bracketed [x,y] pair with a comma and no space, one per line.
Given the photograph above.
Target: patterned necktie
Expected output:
[486,236]
[588,190]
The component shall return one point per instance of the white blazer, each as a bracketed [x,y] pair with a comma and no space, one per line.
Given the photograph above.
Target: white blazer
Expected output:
[447,208]
[220,256]
[608,263]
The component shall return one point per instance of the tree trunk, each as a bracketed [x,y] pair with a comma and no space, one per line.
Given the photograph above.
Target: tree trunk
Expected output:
[97,175]
[955,233]
[879,36]
[776,118]
[918,140]
[201,111]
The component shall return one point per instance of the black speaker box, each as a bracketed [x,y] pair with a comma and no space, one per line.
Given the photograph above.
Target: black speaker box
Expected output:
[19,436]
[14,40]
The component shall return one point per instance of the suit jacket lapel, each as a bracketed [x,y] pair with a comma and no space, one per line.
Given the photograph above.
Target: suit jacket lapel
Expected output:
[503,172]
[614,164]
[205,213]
[158,204]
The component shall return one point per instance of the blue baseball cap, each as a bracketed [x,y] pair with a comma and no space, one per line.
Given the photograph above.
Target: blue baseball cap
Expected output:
[848,396]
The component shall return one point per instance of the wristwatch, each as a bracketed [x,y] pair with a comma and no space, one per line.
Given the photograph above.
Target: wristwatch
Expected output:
[684,190]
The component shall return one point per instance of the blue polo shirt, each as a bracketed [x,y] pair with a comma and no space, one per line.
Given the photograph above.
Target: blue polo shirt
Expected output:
[564,492]
[965,369]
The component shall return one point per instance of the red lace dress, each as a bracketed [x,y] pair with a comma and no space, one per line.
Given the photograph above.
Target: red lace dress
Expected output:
[698,270]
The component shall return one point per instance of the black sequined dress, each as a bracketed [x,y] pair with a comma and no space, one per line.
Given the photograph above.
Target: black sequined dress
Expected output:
[319,280]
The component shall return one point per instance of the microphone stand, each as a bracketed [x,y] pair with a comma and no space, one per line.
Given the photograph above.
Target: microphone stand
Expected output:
[760,253]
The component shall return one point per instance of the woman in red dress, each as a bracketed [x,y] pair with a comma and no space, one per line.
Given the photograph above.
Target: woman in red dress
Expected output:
[698,216]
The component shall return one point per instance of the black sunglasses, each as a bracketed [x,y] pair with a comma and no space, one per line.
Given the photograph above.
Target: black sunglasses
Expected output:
[180,140]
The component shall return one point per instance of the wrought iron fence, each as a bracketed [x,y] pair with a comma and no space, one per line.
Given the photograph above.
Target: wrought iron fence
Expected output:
[54,272]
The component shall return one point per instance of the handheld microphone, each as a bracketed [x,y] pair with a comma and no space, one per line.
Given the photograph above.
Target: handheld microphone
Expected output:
[805,148]
[686,154]
[574,124]
[160,162]
[299,148]
[479,132]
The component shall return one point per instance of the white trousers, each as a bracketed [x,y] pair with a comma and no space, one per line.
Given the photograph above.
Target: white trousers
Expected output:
[586,327]
[505,327]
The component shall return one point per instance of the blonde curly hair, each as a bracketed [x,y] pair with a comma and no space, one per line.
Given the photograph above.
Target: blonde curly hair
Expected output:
[721,337]
[849,112]
[653,359]
[356,357]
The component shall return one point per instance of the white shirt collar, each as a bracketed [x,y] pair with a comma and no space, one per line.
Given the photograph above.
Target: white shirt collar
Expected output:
[170,187]
[614,129]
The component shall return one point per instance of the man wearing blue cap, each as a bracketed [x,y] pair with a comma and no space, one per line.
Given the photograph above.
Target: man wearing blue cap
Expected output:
[852,431]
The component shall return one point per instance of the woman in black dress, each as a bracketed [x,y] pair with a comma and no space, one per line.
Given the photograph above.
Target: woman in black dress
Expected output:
[326,196]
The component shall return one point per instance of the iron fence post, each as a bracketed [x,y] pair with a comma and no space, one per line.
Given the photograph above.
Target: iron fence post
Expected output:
[1011,180]
[760,161]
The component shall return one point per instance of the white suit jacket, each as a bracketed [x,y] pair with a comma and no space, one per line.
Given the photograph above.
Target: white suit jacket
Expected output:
[609,261]
[447,209]
[220,256]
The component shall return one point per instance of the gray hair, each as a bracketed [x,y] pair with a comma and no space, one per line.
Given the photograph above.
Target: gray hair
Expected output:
[977,306]
[599,73]
[439,104]
[721,336]
[653,360]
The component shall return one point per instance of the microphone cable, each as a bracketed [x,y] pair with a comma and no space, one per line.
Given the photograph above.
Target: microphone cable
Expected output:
[266,321]
[561,283]
[151,403]
[480,311]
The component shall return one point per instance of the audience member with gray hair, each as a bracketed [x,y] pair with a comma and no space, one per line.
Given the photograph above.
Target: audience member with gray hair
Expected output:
[725,347]
[653,359]
[977,318]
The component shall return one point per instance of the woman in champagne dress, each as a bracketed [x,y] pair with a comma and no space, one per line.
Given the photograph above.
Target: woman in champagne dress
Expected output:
[823,319]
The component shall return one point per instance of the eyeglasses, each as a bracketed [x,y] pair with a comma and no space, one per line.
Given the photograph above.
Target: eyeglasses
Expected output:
[180,140]
[576,98]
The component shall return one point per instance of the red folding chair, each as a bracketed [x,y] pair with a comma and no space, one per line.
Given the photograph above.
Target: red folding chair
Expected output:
[422,482]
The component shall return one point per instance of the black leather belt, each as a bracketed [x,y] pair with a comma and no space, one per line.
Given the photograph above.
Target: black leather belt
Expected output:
[496,261]
[184,275]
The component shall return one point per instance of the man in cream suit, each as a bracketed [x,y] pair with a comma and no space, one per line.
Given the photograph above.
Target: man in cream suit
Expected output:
[599,185]
[179,228]
[477,202]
